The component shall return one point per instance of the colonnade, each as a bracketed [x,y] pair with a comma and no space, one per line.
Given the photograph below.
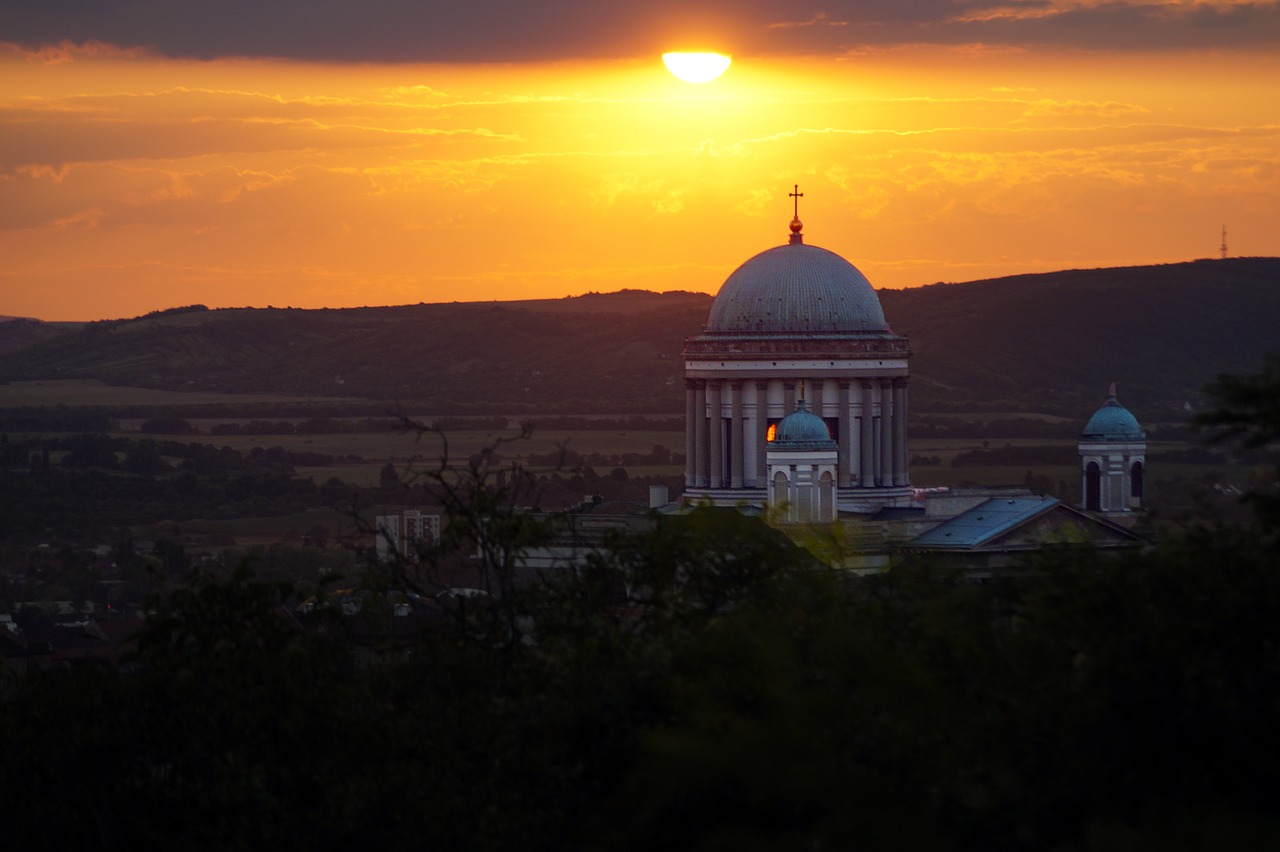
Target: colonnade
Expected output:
[727,420]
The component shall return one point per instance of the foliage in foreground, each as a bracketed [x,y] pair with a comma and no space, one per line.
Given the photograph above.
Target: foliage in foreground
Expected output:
[1080,705]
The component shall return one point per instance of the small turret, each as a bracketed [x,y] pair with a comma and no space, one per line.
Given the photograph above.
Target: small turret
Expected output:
[1113,457]
[801,461]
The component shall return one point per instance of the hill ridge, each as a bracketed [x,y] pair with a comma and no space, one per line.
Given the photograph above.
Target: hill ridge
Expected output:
[1045,342]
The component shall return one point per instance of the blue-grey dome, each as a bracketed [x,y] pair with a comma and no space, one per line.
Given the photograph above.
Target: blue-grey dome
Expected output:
[802,429]
[1112,422]
[796,288]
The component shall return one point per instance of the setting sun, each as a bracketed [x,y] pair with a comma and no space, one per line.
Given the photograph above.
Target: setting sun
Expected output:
[133,181]
[696,67]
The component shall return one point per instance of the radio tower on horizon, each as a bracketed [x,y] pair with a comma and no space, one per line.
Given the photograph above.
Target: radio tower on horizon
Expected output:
[1223,248]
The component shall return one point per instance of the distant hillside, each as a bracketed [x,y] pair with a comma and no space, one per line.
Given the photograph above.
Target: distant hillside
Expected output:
[1043,343]
[17,333]
[609,353]
[1162,332]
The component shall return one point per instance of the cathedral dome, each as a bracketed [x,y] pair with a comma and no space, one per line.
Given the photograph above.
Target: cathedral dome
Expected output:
[802,429]
[796,289]
[1112,422]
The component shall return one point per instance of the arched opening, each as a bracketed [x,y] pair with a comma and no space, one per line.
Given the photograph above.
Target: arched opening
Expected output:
[1093,487]
[1135,481]
[779,496]
[826,498]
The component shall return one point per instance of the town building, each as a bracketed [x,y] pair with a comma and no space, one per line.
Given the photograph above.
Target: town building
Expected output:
[403,533]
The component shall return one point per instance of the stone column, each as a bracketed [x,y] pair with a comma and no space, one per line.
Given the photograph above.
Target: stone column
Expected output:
[845,459]
[702,471]
[762,434]
[886,432]
[715,421]
[736,447]
[900,473]
[866,467]
[690,433]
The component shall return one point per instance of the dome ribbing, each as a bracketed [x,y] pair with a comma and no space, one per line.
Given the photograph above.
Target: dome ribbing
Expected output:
[796,289]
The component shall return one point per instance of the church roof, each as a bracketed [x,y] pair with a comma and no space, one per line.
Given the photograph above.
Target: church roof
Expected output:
[984,522]
[796,288]
[1112,422]
[1020,524]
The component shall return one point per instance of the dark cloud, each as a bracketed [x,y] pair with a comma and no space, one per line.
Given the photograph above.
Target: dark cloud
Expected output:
[1121,26]
[508,31]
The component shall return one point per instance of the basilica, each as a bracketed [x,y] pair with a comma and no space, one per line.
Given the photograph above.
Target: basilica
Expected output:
[796,396]
[797,330]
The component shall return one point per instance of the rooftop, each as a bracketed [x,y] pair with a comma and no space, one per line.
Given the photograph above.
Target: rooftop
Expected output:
[984,522]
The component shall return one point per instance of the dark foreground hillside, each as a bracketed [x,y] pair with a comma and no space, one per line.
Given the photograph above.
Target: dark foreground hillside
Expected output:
[1041,343]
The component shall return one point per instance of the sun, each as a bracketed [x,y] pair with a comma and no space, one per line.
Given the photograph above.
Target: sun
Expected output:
[696,67]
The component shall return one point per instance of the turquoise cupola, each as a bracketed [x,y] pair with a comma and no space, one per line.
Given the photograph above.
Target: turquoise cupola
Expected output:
[1113,459]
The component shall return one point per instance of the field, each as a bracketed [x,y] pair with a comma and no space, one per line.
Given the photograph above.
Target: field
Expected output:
[245,532]
[404,448]
[1063,478]
[358,458]
[91,393]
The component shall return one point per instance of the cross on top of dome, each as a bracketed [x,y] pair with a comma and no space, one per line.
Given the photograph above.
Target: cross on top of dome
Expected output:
[796,224]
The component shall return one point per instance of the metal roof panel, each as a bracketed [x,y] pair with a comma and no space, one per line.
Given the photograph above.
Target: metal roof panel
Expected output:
[984,522]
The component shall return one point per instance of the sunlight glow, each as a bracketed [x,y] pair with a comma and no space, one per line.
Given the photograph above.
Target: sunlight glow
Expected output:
[696,67]
[136,183]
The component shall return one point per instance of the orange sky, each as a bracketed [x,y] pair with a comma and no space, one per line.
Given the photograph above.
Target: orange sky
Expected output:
[131,182]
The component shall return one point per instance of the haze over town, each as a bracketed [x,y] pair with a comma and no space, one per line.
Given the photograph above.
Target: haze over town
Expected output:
[300,156]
